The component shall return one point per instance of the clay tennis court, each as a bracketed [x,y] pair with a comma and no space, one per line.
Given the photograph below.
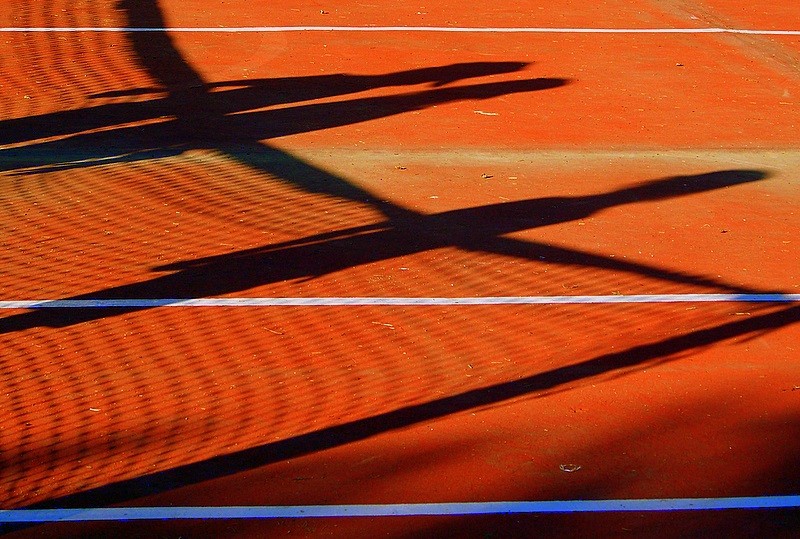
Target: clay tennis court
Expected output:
[431,269]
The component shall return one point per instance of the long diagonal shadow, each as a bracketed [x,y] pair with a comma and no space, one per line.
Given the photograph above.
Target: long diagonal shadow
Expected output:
[234,122]
[362,429]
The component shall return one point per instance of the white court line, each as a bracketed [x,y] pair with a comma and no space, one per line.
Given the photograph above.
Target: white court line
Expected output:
[438,29]
[389,301]
[384,510]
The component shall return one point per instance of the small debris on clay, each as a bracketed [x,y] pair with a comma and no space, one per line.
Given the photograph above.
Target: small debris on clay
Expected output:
[390,326]
[569,468]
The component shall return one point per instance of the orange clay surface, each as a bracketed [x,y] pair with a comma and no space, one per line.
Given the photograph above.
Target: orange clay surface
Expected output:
[317,164]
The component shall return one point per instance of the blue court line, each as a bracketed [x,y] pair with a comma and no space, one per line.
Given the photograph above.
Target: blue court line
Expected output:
[389,301]
[395,510]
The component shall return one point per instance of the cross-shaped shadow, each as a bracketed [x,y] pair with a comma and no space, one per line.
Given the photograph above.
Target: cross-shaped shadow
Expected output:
[483,229]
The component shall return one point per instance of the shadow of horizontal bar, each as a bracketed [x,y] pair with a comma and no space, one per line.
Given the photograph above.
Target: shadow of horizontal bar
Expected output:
[389,301]
[395,510]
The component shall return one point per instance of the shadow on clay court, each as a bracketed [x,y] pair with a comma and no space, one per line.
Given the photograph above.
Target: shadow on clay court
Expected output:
[229,117]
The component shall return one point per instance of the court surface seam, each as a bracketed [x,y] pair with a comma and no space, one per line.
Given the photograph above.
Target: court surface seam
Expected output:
[454,29]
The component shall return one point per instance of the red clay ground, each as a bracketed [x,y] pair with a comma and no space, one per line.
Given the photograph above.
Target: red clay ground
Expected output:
[391,164]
